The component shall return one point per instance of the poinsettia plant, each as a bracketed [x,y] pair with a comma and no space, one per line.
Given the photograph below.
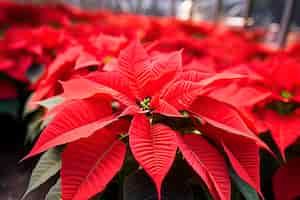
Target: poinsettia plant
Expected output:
[157,110]
[121,110]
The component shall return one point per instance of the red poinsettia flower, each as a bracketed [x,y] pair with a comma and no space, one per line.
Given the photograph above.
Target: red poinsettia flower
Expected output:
[269,99]
[282,108]
[140,78]
[280,76]
[145,88]
[21,48]
[74,60]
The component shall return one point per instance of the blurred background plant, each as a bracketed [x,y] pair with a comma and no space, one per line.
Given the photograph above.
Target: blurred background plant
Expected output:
[264,11]
[259,13]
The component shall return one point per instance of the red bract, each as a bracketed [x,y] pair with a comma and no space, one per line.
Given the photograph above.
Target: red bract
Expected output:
[102,155]
[245,160]
[284,128]
[154,147]
[148,89]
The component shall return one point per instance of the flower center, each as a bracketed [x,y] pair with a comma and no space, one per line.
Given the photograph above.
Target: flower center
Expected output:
[107,59]
[145,104]
[286,94]
[283,108]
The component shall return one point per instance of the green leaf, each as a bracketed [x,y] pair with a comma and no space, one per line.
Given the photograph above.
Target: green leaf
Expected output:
[10,106]
[47,167]
[3,29]
[1,32]
[34,127]
[286,94]
[248,192]
[51,102]
[55,192]
[34,130]
[27,109]
[34,72]
[46,121]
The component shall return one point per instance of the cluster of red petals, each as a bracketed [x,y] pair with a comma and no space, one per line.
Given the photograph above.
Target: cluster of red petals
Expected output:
[125,76]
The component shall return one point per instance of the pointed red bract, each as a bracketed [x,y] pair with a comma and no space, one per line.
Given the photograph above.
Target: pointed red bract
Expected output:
[244,158]
[76,120]
[113,80]
[83,88]
[163,70]
[89,164]
[221,78]
[222,116]
[133,63]
[147,75]
[284,129]
[154,147]
[194,161]
[208,163]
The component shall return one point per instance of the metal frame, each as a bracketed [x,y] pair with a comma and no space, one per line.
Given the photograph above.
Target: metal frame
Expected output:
[248,12]
[285,24]
[218,10]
